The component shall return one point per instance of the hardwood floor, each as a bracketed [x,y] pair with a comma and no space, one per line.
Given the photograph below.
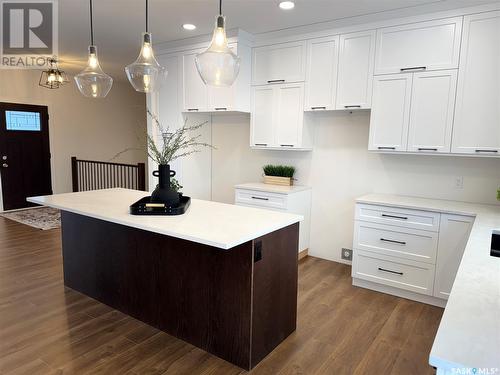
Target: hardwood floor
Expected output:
[46,328]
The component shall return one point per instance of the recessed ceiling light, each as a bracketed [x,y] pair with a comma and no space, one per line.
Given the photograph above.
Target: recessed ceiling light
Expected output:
[287,5]
[188,26]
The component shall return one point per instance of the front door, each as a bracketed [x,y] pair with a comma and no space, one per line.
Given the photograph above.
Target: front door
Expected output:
[24,153]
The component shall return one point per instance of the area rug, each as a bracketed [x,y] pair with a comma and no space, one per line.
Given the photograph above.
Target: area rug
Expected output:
[43,218]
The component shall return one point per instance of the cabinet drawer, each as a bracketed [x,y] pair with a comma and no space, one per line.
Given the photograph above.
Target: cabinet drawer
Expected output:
[423,220]
[261,199]
[398,242]
[412,276]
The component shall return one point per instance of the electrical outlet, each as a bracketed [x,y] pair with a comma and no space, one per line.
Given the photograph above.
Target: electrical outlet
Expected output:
[346,254]
[459,182]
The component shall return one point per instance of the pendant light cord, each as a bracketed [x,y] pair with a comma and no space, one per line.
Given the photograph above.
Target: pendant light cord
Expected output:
[91,25]
[220,7]
[147,16]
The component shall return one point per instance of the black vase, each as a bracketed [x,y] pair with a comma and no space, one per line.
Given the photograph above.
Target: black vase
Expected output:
[163,193]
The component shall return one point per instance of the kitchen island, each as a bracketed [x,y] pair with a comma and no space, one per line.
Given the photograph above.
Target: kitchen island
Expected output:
[221,277]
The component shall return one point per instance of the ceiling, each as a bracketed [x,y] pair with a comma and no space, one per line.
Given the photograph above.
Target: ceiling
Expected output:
[118,23]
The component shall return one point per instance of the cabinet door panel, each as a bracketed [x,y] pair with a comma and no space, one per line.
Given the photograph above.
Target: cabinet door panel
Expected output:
[477,115]
[390,112]
[432,107]
[321,82]
[290,115]
[453,236]
[356,60]
[195,90]
[432,44]
[262,119]
[278,63]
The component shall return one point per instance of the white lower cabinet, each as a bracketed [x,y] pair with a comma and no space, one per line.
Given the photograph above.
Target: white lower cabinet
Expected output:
[392,256]
[292,199]
[453,236]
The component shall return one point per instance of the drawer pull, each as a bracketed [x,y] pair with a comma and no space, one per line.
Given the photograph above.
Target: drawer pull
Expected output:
[395,217]
[286,145]
[492,151]
[427,149]
[193,109]
[386,148]
[413,68]
[393,241]
[395,272]
[261,198]
[221,109]
[314,108]
[260,144]
[276,81]
[352,106]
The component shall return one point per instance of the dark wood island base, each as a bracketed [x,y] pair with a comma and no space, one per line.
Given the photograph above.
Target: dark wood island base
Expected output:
[237,304]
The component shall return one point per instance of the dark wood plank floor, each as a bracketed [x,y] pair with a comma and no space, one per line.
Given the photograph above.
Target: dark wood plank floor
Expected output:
[48,329]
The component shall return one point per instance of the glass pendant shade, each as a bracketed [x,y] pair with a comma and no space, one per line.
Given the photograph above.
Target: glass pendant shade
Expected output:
[53,78]
[218,65]
[145,74]
[92,81]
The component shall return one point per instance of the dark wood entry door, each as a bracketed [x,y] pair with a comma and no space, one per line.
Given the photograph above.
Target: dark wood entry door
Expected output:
[24,153]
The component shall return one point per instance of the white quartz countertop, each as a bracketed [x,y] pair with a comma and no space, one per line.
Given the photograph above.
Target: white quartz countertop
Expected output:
[210,223]
[469,333]
[279,189]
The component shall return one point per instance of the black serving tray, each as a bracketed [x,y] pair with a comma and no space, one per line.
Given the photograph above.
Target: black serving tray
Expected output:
[144,206]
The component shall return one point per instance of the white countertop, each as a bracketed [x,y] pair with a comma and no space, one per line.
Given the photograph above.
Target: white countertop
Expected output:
[469,332]
[279,189]
[210,223]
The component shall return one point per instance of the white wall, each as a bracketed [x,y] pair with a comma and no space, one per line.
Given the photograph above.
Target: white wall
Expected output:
[79,126]
[340,168]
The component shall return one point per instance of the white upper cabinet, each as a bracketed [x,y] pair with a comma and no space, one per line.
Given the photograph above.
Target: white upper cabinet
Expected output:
[290,115]
[355,71]
[262,119]
[277,119]
[195,93]
[430,45]
[390,112]
[431,114]
[477,114]
[198,97]
[279,63]
[321,77]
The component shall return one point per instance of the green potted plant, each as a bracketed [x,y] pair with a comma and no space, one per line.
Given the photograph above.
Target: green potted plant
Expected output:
[278,174]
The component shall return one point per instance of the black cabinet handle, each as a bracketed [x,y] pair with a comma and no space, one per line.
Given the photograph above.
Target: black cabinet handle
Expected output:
[352,106]
[395,217]
[386,148]
[393,241]
[413,68]
[260,144]
[192,109]
[396,272]
[221,109]
[261,198]
[313,108]
[276,81]
[286,145]
[491,151]
[427,149]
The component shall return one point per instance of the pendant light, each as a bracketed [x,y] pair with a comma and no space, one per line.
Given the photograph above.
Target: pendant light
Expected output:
[53,77]
[145,74]
[218,65]
[92,81]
